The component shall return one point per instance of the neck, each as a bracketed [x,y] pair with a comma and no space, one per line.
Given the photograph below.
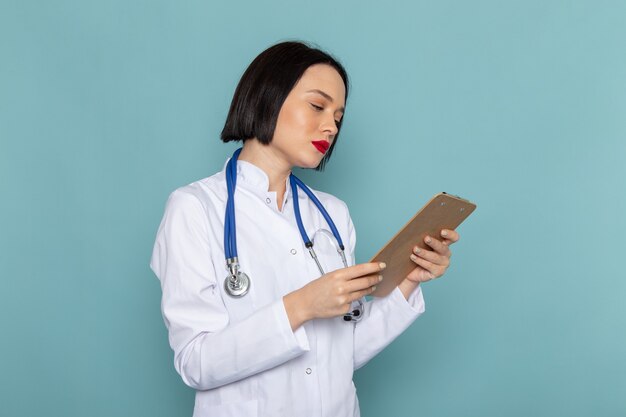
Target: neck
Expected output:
[274,166]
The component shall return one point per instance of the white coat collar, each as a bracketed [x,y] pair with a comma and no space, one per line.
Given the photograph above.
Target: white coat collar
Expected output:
[255,179]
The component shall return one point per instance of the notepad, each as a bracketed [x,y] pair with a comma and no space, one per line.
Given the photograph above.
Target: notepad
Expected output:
[443,211]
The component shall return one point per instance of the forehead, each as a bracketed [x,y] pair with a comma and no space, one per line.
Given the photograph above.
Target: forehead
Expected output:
[325,78]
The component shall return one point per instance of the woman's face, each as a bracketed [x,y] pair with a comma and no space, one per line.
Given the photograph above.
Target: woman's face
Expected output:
[307,121]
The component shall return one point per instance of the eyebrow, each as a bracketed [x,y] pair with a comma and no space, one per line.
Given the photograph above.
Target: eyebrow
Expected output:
[326,96]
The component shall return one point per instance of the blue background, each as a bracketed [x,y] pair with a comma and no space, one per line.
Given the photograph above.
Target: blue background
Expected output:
[106,107]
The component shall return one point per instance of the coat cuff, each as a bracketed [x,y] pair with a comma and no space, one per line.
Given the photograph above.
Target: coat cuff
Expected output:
[297,338]
[413,306]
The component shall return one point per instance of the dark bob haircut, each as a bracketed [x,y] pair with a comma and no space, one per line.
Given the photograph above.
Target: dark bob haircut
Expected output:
[264,87]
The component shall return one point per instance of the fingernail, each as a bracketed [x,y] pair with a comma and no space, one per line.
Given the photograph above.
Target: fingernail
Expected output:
[444,233]
[413,257]
[427,240]
[382,265]
[380,278]
[416,250]
[374,288]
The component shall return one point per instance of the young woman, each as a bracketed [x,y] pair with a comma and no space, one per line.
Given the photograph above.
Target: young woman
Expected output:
[265,316]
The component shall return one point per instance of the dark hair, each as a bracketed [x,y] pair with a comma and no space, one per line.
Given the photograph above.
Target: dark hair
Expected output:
[264,87]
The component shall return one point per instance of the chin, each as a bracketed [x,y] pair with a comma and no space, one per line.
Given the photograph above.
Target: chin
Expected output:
[309,161]
[313,163]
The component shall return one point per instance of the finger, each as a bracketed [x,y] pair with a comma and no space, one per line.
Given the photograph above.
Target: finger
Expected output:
[438,246]
[361,284]
[436,270]
[360,270]
[450,236]
[360,294]
[420,274]
[431,256]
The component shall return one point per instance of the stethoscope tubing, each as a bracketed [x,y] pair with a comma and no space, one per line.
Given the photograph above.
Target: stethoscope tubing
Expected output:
[295,183]
[230,227]
[238,283]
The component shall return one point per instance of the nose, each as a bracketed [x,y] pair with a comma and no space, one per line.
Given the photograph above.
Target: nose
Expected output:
[329,126]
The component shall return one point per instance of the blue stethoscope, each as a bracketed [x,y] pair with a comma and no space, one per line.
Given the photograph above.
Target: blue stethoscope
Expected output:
[237,283]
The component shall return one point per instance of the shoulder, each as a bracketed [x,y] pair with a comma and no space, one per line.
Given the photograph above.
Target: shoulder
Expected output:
[332,203]
[202,195]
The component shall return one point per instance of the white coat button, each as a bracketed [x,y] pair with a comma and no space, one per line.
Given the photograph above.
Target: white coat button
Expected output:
[293,251]
[267,200]
[308,371]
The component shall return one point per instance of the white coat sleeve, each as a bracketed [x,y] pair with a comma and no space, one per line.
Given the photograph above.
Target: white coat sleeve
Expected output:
[209,351]
[384,318]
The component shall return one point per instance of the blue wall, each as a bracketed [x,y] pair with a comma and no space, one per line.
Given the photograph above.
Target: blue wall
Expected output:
[106,107]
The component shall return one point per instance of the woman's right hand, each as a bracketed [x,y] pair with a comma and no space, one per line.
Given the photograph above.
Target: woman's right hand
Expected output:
[332,294]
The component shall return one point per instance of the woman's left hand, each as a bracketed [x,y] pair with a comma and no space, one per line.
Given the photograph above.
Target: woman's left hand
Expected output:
[433,263]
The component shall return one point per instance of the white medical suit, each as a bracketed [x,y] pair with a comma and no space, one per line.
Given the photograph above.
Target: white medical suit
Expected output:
[241,354]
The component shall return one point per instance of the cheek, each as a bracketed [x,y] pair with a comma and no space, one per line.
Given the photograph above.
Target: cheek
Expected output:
[291,119]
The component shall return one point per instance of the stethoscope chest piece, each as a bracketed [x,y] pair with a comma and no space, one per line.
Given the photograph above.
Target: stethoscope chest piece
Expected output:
[237,285]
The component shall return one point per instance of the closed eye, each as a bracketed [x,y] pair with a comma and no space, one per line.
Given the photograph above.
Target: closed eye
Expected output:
[320,108]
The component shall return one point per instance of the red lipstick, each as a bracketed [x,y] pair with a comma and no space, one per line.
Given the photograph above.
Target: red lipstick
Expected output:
[321,145]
